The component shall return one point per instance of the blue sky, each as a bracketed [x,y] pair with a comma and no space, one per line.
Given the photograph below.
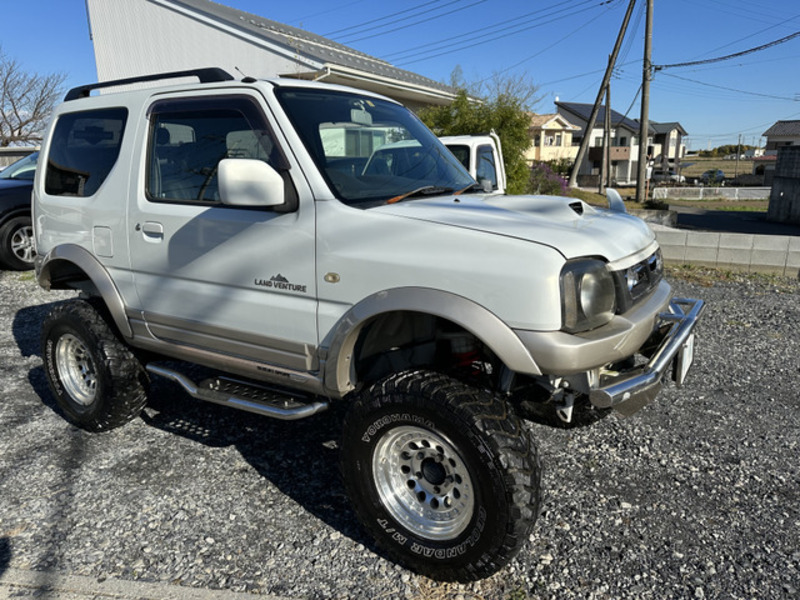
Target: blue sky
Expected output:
[560,45]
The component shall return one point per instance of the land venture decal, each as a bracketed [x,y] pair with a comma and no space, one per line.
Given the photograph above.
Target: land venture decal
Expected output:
[280,282]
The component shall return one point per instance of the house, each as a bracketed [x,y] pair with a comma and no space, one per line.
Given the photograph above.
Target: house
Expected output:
[665,145]
[624,141]
[136,37]
[551,138]
[781,134]
[669,138]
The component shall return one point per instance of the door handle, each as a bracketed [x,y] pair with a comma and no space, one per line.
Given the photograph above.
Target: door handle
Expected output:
[152,230]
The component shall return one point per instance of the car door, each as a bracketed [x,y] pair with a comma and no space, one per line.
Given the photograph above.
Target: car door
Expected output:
[233,280]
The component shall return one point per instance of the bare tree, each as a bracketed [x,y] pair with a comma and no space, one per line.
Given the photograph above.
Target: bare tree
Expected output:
[519,86]
[26,102]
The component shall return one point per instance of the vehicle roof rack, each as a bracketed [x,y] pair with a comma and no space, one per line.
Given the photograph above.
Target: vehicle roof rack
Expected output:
[207,75]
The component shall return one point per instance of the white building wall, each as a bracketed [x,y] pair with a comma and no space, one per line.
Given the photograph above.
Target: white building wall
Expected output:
[138,37]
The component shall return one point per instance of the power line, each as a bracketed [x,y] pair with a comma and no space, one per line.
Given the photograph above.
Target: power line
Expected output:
[729,56]
[449,12]
[506,32]
[543,50]
[483,32]
[336,8]
[783,22]
[730,89]
[384,18]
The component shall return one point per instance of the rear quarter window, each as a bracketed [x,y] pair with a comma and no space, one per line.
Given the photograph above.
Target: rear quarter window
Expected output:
[83,150]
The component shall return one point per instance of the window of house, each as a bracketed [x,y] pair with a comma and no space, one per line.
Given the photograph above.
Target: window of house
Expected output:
[598,142]
[84,149]
[189,137]
[558,139]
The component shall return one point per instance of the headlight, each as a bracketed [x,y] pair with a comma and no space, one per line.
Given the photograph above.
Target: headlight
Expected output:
[587,294]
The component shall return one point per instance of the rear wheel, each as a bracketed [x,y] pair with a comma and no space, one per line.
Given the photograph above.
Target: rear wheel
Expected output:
[97,381]
[443,475]
[16,244]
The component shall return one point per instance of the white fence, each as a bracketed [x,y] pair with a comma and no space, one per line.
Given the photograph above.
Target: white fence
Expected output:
[709,193]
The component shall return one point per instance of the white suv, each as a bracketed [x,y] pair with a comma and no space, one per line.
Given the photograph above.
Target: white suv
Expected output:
[237,225]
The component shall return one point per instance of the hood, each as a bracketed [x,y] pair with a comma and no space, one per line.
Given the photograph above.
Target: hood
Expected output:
[14,184]
[550,220]
[15,192]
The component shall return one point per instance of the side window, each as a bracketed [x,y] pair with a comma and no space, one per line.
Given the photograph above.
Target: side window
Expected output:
[189,137]
[461,153]
[84,149]
[486,169]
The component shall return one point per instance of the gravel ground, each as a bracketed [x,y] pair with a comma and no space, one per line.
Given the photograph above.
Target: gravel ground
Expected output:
[696,496]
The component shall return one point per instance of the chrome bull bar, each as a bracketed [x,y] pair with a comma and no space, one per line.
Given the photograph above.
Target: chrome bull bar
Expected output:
[633,390]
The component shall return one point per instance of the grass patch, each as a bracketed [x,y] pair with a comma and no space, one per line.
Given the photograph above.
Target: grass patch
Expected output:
[595,199]
[701,165]
[724,204]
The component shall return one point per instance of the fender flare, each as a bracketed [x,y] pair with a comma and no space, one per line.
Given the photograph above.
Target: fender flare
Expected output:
[482,323]
[97,274]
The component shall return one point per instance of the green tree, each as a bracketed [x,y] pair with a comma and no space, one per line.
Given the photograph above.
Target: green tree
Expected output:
[499,104]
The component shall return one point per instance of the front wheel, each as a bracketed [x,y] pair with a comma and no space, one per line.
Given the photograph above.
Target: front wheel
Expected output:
[16,244]
[97,381]
[443,475]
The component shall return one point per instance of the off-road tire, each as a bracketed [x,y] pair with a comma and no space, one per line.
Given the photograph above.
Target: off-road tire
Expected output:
[97,381]
[16,244]
[443,475]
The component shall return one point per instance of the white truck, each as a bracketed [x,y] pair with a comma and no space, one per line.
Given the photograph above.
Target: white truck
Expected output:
[242,226]
[482,156]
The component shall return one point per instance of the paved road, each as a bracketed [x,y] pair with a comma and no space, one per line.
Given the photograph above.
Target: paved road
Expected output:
[731,221]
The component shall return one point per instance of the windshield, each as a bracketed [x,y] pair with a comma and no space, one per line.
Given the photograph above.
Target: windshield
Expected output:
[24,168]
[371,150]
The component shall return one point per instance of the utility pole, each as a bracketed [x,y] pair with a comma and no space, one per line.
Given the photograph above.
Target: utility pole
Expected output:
[644,121]
[607,127]
[738,152]
[573,176]
[606,142]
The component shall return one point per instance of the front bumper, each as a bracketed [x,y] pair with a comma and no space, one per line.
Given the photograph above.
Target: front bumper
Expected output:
[630,391]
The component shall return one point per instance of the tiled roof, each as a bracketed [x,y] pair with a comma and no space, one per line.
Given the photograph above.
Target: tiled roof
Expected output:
[667,127]
[584,111]
[307,44]
[783,128]
[542,120]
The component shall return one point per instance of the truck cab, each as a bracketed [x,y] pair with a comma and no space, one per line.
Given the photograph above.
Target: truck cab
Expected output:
[482,156]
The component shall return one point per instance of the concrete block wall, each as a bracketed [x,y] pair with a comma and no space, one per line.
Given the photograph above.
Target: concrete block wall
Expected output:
[784,200]
[778,254]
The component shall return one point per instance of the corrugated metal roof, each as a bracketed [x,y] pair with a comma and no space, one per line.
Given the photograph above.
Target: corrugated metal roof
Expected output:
[307,44]
[791,128]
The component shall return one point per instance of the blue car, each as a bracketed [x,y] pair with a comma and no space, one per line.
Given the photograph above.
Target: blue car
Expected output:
[16,232]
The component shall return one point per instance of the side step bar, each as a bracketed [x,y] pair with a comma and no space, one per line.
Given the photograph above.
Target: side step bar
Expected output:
[265,401]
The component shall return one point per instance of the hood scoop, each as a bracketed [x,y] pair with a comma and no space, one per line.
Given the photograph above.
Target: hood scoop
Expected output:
[577,207]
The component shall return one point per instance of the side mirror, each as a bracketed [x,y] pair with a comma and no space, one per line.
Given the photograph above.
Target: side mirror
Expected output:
[615,201]
[249,182]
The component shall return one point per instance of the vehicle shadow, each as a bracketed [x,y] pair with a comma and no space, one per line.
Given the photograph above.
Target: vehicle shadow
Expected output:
[26,328]
[5,554]
[300,458]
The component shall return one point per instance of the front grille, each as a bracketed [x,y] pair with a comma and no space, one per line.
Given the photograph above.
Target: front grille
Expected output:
[636,282]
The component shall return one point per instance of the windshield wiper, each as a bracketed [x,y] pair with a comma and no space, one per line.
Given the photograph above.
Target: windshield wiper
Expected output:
[472,187]
[425,190]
